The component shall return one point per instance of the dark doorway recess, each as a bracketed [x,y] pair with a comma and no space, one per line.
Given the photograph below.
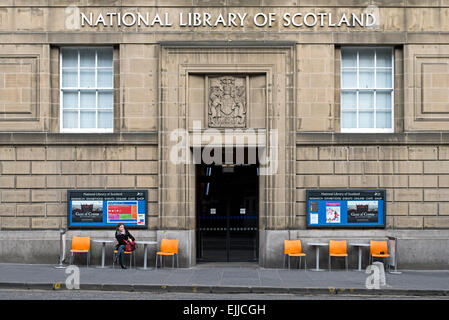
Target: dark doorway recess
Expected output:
[227,198]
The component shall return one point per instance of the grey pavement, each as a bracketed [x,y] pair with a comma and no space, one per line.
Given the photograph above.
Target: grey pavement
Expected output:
[17,294]
[209,278]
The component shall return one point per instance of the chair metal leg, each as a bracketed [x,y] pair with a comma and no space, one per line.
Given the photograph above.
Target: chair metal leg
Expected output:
[299,263]
[346,262]
[177,261]
[155,265]
[173,261]
[305,263]
[330,267]
[288,262]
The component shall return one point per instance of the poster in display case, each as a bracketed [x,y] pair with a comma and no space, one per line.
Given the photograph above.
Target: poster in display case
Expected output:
[107,208]
[346,208]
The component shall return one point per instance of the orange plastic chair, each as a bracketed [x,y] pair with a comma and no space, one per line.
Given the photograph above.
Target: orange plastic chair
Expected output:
[378,249]
[131,255]
[338,249]
[80,245]
[293,248]
[169,247]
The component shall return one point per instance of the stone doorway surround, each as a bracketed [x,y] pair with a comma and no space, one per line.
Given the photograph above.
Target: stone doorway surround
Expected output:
[184,70]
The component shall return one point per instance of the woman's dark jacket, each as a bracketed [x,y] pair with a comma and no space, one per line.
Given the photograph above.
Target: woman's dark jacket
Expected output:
[122,237]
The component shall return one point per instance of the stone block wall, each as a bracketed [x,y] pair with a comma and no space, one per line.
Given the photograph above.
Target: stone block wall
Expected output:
[301,94]
[34,180]
[416,179]
[315,90]
[139,66]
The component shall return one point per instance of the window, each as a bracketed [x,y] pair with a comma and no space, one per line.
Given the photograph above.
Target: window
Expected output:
[87,100]
[367,90]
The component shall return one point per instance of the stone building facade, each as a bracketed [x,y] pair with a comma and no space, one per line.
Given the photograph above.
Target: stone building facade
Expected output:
[164,77]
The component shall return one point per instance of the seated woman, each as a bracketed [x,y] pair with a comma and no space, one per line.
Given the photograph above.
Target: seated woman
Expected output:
[122,235]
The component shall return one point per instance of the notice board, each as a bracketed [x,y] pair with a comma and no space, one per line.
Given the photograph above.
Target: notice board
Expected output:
[347,208]
[107,208]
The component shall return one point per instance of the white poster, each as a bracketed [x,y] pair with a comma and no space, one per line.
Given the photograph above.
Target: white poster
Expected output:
[313,218]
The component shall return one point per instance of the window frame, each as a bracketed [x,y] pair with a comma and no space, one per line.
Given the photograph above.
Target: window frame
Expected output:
[78,89]
[374,89]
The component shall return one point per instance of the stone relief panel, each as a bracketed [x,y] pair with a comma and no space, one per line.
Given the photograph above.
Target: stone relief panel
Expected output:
[227,103]
[426,88]
[433,80]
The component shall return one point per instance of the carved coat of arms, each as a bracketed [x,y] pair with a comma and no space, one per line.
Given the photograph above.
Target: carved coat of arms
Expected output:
[227,102]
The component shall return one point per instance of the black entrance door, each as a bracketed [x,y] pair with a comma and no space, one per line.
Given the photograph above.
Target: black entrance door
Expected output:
[227,213]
